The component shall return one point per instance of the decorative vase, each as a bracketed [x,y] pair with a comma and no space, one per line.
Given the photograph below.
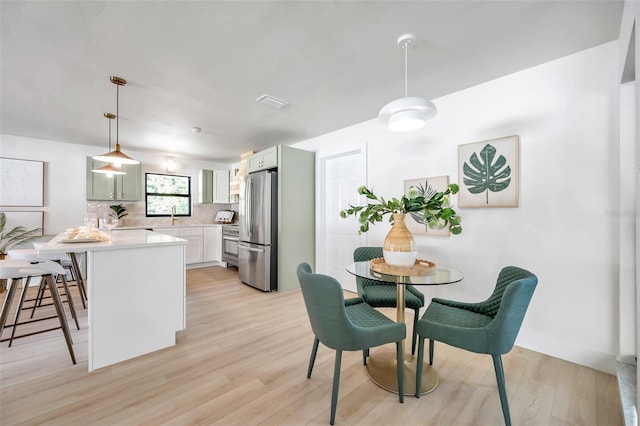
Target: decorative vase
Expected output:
[399,247]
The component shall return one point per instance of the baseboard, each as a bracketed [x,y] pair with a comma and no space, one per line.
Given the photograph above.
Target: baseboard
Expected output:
[568,351]
[205,265]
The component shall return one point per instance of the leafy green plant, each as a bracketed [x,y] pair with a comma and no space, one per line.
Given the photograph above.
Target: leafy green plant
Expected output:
[432,207]
[483,174]
[16,235]
[119,210]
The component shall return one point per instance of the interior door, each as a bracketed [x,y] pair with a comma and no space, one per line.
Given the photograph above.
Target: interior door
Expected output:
[343,174]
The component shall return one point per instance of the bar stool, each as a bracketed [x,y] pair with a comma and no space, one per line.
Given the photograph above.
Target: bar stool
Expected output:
[75,270]
[32,255]
[16,271]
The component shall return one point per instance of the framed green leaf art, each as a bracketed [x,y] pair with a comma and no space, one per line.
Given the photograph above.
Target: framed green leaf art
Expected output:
[415,220]
[488,173]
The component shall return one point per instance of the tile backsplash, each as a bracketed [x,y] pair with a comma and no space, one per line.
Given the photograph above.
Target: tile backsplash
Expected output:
[200,214]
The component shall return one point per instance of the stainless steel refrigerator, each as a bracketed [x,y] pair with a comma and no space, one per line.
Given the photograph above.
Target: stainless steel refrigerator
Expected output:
[257,249]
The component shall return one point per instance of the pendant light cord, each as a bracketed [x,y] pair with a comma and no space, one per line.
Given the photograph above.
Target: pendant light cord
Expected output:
[406,68]
[109,134]
[117,113]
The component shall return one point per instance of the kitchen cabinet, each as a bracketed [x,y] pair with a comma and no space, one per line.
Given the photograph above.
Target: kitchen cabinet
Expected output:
[263,160]
[102,187]
[193,235]
[205,188]
[204,243]
[174,232]
[234,184]
[214,186]
[221,187]
[212,243]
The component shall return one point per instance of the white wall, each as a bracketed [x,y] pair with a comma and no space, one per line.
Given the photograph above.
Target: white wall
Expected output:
[565,229]
[65,176]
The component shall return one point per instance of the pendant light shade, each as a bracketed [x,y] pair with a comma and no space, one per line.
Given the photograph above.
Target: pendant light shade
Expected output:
[408,113]
[109,169]
[116,156]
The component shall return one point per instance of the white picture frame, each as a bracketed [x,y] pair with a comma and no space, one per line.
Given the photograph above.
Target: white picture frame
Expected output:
[28,220]
[21,183]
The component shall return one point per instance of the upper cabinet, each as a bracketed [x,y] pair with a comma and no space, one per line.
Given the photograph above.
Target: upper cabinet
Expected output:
[263,160]
[221,181]
[205,190]
[234,184]
[102,187]
[214,186]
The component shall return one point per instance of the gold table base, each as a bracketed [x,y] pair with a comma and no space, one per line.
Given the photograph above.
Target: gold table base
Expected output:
[381,368]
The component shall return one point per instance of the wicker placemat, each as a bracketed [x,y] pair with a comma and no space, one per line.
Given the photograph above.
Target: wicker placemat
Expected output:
[420,267]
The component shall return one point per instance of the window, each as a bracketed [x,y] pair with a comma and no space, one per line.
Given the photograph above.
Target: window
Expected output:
[164,192]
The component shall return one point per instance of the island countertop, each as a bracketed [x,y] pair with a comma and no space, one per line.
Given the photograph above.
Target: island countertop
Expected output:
[133,238]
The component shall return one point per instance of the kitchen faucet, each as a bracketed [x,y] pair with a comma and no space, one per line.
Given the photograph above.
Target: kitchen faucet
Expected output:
[173,212]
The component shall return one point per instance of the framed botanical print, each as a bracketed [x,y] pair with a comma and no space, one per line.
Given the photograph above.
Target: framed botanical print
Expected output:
[488,173]
[413,220]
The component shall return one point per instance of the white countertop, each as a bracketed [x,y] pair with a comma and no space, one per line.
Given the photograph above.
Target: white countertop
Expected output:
[177,225]
[119,239]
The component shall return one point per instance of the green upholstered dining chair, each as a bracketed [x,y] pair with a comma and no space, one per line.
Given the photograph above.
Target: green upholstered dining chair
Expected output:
[382,295]
[488,327]
[345,325]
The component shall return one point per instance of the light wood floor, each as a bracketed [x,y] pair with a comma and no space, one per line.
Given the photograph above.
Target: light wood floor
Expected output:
[243,360]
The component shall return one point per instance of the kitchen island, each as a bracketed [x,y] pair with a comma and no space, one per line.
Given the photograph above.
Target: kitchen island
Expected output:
[136,292]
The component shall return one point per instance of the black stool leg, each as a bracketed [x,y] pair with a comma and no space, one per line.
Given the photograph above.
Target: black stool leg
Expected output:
[39,296]
[53,288]
[25,287]
[72,307]
[6,305]
[79,280]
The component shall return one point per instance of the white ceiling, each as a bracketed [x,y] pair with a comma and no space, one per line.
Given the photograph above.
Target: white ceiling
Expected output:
[203,63]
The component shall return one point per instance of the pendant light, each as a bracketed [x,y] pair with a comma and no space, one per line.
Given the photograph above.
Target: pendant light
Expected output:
[109,169]
[408,113]
[116,156]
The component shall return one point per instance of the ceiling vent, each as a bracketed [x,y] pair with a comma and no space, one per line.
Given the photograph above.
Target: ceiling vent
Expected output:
[271,101]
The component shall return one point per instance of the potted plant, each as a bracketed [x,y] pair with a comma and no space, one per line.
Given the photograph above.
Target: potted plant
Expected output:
[120,211]
[426,205]
[14,236]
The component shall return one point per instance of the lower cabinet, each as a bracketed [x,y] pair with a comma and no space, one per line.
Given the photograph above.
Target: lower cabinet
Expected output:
[193,235]
[212,243]
[204,243]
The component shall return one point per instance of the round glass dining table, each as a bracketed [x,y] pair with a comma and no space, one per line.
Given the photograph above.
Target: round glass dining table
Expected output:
[381,366]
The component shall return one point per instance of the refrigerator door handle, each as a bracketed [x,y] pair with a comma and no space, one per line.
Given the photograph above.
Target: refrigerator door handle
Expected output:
[248,196]
[259,250]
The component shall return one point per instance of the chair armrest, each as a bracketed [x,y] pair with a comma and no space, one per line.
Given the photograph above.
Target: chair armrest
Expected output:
[411,289]
[477,307]
[353,301]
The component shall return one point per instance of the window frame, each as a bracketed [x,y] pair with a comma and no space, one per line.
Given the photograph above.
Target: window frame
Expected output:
[156,194]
